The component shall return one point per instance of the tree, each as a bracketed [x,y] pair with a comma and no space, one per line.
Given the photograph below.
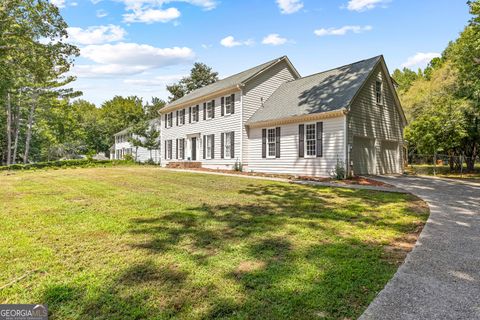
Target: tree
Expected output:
[152,109]
[200,76]
[120,113]
[405,78]
[138,131]
[152,141]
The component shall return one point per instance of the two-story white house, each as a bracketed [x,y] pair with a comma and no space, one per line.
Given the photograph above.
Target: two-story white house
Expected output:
[123,146]
[270,119]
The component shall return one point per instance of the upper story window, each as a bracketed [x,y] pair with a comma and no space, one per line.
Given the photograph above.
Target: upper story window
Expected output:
[195,112]
[181,117]
[228,105]
[210,110]
[378,91]
[169,119]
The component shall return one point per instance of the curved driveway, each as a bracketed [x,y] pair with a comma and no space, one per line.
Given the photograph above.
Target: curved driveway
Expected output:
[440,278]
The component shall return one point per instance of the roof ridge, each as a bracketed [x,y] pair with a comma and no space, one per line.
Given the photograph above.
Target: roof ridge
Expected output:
[345,65]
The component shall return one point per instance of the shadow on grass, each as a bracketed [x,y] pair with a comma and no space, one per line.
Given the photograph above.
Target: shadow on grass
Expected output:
[279,277]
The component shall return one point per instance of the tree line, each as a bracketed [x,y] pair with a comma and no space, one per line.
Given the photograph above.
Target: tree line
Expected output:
[442,102]
[41,119]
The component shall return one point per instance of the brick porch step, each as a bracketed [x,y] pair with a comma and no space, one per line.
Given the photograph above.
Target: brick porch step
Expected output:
[184,165]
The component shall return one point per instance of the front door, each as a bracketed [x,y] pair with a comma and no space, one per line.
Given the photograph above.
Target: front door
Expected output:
[194,149]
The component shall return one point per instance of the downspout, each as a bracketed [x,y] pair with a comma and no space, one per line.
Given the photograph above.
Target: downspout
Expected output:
[345,145]
[242,126]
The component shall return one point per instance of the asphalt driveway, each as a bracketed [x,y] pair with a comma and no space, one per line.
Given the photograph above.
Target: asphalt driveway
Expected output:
[440,278]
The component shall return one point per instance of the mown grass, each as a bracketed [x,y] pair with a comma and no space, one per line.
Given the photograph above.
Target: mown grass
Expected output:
[147,243]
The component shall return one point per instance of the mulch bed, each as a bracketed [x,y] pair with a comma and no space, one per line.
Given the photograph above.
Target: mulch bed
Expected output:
[364,181]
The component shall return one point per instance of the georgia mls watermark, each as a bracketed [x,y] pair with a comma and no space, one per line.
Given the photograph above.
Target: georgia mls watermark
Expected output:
[23,312]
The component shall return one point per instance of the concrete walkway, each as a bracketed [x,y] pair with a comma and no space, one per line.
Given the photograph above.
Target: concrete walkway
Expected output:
[440,278]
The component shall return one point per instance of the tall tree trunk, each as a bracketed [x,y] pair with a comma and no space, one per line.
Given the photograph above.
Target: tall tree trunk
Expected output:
[9,130]
[17,130]
[29,130]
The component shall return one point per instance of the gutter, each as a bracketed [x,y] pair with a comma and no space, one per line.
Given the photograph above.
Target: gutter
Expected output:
[299,118]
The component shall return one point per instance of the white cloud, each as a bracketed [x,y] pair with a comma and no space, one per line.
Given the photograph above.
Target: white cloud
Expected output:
[150,11]
[96,34]
[363,5]
[95,1]
[289,6]
[342,30]
[274,39]
[58,3]
[156,81]
[152,15]
[129,58]
[101,13]
[420,59]
[230,42]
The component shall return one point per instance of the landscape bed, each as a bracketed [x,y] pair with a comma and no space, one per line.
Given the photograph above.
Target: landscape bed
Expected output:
[148,243]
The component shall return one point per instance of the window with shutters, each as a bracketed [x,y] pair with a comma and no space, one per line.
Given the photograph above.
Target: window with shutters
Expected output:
[181,117]
[378,91]
[195,112]
[311,139]
[209,110]
[271,139]
[181,148]
[228,105]
[228,145]
[169,149]
[169,119]
[210,146]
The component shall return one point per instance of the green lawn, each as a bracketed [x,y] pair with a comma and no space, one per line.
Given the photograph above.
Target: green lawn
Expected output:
[147,243]
[444,172]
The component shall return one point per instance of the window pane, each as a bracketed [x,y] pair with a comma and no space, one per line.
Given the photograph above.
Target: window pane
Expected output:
[311,139]
[228,105]
[228,144]
[271,142]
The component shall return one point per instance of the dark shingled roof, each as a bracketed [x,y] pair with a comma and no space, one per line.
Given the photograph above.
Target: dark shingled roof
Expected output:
[225,83]
[321,92]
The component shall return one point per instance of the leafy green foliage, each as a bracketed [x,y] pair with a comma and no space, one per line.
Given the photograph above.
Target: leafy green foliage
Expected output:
[200,76]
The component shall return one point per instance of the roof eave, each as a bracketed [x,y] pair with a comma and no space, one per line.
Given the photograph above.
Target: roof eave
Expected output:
[299,118]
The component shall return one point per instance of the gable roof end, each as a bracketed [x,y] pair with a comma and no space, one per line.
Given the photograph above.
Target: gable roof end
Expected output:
[327,91]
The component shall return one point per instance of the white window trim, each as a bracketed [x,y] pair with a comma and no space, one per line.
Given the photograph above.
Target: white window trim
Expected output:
[194,108]
[169,149]
[181,118]
[209,104]
[274,143]
[225,113]
[209,152]
[227,155]
[306,155]
[381,92]
[181,147]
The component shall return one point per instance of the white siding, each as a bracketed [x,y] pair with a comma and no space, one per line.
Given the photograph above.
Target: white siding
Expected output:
[289,162]
[216,126]
[262,87]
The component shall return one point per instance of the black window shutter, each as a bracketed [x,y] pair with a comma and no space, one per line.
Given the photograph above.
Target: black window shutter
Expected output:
[319,139]
[176,147]
[170,148]
[213,108]
[301,139]
[166,121]
[204,111]
[264,143]
[222,106]
[232,101]
[189,114]
[204,147]
[222,145]
[165,149]
[232,145]
[277,142]
[177,118]
[213,146]
[198,112]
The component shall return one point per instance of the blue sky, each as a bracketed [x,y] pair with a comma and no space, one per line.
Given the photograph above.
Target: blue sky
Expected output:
[136,47]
